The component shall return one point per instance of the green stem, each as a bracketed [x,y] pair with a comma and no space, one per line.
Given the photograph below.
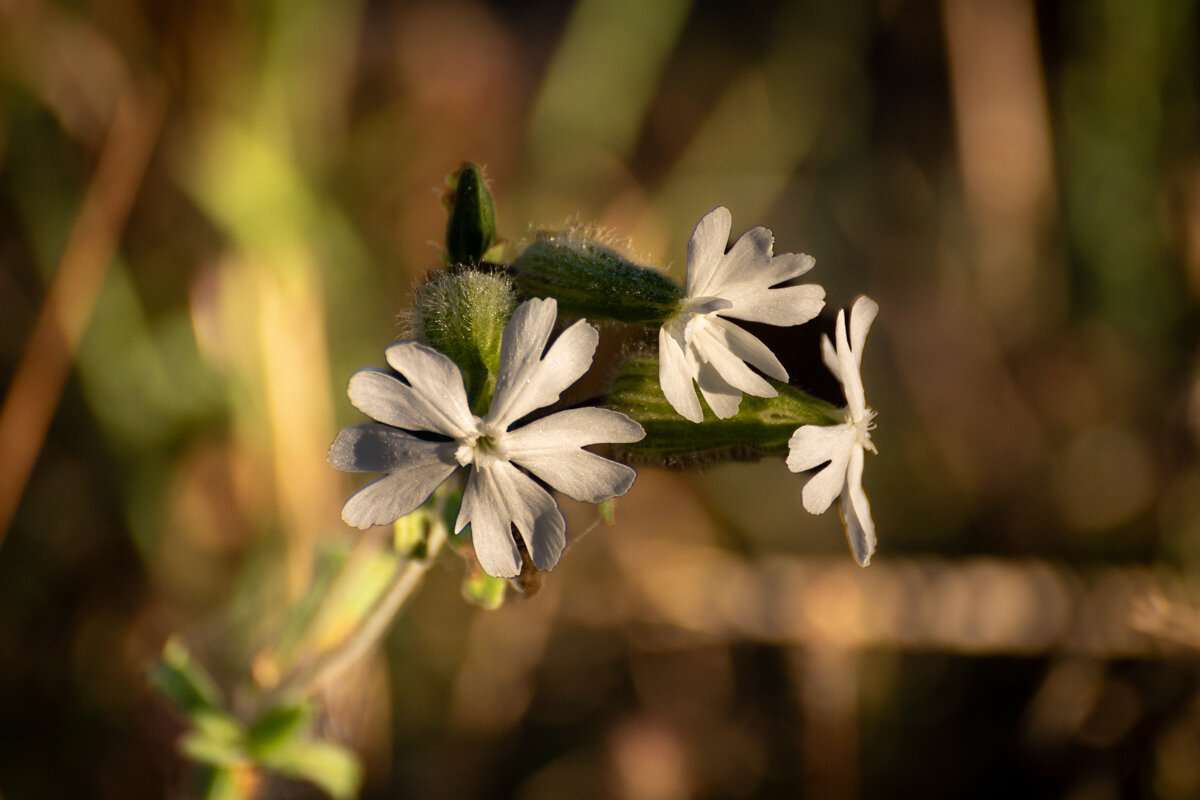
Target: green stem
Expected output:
[309,678]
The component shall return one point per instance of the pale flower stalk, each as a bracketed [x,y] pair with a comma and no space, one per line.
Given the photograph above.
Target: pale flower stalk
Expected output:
[699,344]
[498,494]
[842,445]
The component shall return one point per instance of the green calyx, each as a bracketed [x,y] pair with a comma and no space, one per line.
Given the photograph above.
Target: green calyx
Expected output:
[762,426]
[462,315]
[591,280]
[471,228]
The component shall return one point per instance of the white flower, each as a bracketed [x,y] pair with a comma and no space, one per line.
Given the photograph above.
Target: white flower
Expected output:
[498,494]
[699,344]
[842,445]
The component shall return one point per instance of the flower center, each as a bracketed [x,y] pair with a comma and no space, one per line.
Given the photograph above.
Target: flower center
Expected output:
[482,448]
[862,429]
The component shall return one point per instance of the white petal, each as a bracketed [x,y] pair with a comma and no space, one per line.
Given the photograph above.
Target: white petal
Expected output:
[856,512]
[491,526]
[785,306]
[812,445]
[675,376]
[848,371]
[745,267]
[527,381]
[386,500]
[499,496]
[706,250]
[421,407]
[549,448]
[829,356]
[372,447]
[721,396]
[712,348]
[862,314]
[750,349]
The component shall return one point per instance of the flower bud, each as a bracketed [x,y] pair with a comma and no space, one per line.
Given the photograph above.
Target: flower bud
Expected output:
[471,228]
[463,315]
[761,427]
[590,280]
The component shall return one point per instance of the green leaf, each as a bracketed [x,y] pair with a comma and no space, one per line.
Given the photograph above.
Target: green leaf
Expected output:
[216,738]
[471,228]
[762,426]
[330,766]
[277,726]
[180,679]
[221,783]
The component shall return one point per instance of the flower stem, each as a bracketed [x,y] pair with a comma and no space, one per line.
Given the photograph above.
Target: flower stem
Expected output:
[309,678]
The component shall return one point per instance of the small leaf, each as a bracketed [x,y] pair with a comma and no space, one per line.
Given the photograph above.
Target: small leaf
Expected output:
[180,679]
[277,726]
[330,766]
[216,738]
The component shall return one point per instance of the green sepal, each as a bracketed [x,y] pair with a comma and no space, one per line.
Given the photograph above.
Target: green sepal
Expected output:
[463,315]
[471,228]
[762,426]
[590,280]
[181,680]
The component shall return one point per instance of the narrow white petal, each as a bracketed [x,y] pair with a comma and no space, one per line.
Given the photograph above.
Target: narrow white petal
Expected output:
[750,349]
[549,448]
[856,511]
[785,306]
[712,349]
[675,377]
[527,381]
[706,250]
[386,500]
[484,508]
[862,314]
[849,372]
[823,487]
[829,356]
[384,398]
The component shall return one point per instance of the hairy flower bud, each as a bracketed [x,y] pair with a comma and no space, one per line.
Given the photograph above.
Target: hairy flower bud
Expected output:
[463,316]
[591,280]
[761,427]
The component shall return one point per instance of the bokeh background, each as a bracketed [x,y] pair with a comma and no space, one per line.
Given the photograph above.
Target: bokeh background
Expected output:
[211,213]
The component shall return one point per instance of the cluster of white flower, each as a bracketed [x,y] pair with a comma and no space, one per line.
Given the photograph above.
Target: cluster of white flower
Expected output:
[425,430]
[699,345]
